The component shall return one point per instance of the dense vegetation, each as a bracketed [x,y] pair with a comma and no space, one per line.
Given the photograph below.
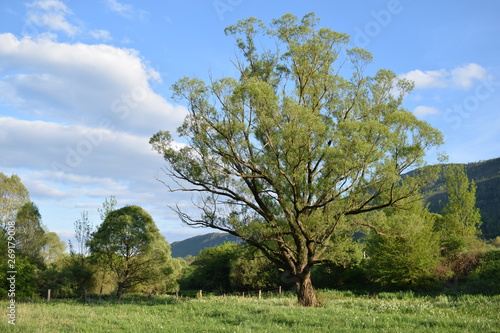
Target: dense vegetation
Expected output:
[410,249]
[486,175]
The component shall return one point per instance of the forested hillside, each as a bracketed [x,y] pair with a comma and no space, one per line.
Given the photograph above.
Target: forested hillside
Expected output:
[486,175]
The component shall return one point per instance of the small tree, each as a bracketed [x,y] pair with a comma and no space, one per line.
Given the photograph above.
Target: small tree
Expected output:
[131,246]
[211,268]
[461,221]
[407,253]
[303,139]
[83,233]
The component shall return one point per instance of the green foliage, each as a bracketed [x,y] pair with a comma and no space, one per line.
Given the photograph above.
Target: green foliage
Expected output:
[486,176]
[252,271]
[485,278]
[281,155]
[210,270]
[107,207]
[461,219]
[407,253]
[496,242]
[67,277]
[30,234]
[53,249]
[13,195]
[131,246]
[27,279]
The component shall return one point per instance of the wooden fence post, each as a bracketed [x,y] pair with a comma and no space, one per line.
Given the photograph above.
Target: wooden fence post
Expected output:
[176,295]
[279,289]
[48,295]
[260,294]
[201,293]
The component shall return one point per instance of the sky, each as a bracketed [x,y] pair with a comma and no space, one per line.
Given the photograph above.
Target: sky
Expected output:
[85,84]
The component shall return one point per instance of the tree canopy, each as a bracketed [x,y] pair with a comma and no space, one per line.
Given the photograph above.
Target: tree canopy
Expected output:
[131,245]
[297,146]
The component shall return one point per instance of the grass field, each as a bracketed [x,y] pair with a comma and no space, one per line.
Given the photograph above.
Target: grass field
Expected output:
[343,312]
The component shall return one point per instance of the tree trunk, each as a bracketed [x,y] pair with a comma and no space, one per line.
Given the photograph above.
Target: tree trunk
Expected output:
[305,291]
[120,291]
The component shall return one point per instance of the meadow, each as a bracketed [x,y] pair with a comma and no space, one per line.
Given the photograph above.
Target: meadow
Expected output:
[342,312]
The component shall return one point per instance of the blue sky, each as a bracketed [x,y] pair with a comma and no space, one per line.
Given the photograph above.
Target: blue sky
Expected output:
[84,84]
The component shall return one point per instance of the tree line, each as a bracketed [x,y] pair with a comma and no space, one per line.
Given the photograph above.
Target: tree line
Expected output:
[410,248]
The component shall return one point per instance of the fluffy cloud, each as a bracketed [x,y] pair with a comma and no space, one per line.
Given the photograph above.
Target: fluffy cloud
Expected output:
[422,111]
[126,10]
[459,77]
[75,149]
[83,84]
[51,14]
[73,164]
[120,8]
[103,35]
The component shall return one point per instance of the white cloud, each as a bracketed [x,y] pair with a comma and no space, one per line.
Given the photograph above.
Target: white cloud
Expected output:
[422,111]
[83,84]
[465,76]
[103,35]
[459,77]
[125,10]
[427,79]
[51,14]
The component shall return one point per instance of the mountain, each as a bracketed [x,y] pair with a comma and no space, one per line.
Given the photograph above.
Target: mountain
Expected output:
[192,246]
[486,175]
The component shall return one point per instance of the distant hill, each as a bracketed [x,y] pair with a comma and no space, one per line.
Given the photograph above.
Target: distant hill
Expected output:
[486,175]
[192,246]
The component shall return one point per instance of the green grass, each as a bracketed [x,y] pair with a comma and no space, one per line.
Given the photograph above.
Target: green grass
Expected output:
[343,312]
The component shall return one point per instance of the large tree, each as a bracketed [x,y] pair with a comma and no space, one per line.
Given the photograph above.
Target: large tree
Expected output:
[131,245]
[297,145]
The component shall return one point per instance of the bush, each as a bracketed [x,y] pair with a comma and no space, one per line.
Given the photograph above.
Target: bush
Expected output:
[485,278]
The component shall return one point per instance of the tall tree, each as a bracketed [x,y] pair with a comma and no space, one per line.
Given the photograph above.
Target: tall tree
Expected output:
[283,155]
[30,234]
[131,245]
[461,221]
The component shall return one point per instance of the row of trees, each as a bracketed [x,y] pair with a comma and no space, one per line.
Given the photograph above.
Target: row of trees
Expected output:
[126,251]
[401,248]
